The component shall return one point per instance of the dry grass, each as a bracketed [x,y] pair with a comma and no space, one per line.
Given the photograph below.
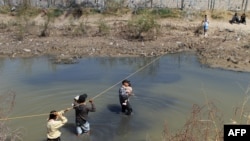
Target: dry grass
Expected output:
[242,114]
[205,122]
[6,106]
[202,125]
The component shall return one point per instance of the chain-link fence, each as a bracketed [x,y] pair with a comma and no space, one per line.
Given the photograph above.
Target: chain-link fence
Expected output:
[191,4]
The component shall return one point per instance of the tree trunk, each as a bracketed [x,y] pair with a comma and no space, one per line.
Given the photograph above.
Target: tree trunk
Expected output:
[213,5]
[182,4]
[246,6]
[242,5]
[208,4]
[151,3]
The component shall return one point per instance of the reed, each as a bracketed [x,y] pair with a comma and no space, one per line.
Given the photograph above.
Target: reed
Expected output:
[205,122]
[6,105]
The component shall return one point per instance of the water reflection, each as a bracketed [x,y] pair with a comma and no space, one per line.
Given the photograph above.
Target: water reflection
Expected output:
[135,63]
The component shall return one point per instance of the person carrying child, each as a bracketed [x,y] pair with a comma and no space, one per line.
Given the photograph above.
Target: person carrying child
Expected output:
[124,92]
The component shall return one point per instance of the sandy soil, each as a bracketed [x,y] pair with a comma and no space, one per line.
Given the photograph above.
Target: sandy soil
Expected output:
[226,46]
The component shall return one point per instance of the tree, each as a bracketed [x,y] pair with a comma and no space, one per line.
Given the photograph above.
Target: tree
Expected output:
[182,4]
[246,4]
[242,5]
[211,4]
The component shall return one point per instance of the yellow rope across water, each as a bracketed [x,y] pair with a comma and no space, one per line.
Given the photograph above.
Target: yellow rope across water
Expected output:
[98,95]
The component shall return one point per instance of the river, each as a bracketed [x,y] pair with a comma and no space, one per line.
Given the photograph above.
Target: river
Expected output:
[165,92]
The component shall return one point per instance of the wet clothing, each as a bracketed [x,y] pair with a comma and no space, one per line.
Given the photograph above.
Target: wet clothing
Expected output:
[123,97]
[57,139]
[85,128]
[53,133]
[81,113]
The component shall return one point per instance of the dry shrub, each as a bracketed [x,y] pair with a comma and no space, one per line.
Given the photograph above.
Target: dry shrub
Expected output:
[167,13]
[220,15]
[78,30]
[142,27]
[77,12]
[6,106]
[3,25]
[29,11]
[205,122]
[4,9]
[114,7]
[202,125]
[241,114]
[103,28]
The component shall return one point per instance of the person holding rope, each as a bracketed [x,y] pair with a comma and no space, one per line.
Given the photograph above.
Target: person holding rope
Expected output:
[81,113]
[56,120]
[124,92]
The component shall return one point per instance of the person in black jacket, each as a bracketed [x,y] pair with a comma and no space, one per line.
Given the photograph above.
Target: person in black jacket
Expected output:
[235,19]
[243,18]
[81,113]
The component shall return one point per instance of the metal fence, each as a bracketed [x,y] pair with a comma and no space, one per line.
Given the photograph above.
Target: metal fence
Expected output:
[193,4]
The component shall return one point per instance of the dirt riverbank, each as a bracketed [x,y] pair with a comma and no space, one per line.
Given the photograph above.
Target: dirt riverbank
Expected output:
[226,46]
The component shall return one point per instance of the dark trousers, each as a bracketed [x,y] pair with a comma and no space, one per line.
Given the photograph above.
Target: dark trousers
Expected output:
[57,139]
[126,108]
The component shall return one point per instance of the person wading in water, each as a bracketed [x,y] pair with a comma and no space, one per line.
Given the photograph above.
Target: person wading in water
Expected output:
[56,120]
[81,113]
[124,92]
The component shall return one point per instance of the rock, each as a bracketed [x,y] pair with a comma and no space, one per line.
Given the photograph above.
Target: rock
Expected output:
[26,50]
[39,50]
[65,59]
[229,30]
[233,60]
[13,9]
[142,44]
[143,54]
[13,55]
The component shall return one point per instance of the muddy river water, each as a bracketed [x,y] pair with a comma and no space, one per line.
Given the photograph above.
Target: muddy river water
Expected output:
[164,93]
